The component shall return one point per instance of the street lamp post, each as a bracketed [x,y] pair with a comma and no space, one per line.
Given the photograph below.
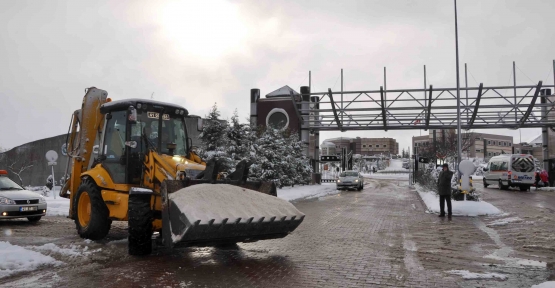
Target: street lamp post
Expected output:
[458,93]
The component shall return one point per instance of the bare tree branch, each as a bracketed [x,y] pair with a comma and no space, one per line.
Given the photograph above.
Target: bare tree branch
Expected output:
[18,171]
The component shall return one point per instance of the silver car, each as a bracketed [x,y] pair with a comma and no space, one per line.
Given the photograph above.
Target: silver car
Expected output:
[16,202]
[350,180]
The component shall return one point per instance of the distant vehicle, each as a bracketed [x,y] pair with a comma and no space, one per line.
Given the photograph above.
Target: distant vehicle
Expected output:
[510,170]
[16,202]
[350,180]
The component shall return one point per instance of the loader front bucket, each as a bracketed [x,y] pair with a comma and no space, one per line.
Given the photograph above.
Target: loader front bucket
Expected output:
[196,213]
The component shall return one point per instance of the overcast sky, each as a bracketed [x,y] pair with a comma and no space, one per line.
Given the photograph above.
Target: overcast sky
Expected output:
[202,52]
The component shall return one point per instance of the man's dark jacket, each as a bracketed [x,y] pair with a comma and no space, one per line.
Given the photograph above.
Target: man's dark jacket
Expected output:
[444,183]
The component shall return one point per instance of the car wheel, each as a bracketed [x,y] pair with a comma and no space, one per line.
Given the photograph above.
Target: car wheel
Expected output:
[34,219]
[485,183]
[140,225]
[524,188]
[501,186]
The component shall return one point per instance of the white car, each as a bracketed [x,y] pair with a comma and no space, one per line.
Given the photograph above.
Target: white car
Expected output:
[16,202]
[350,180]
[510,170]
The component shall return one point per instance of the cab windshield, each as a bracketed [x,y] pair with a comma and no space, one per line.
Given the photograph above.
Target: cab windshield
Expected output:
[173,132]
[349,174]
[7,184]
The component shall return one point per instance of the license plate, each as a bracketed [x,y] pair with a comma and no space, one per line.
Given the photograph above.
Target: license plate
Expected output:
[28,208]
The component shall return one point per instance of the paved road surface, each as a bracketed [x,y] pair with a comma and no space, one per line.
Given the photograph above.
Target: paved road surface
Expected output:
[378,237]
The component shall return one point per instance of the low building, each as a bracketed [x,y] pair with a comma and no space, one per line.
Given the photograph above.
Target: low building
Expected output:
[362,146]
[475,145]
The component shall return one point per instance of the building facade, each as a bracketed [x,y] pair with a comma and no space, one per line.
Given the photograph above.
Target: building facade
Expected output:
[362,146]
[477,145]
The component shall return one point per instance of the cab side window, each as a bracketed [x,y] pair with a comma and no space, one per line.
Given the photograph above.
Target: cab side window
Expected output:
[494,166]
[114,146]
[504,166]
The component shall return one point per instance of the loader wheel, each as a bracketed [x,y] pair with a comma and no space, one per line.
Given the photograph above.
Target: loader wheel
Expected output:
[91,214]
[140,225]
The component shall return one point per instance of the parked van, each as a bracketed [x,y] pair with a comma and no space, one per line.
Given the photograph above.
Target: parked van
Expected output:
[510,170]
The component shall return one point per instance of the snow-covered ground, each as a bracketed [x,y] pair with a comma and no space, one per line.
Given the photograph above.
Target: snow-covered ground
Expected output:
[548,284]
[460,208]
[17,259]
[471,275]
[55,207]
[395,176]
[395,165]
[306,192]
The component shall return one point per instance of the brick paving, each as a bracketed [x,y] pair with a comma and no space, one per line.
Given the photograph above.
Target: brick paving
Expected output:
[379,237]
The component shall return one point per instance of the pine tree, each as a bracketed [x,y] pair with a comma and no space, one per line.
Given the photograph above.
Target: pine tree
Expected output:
[214,139]
[240,139]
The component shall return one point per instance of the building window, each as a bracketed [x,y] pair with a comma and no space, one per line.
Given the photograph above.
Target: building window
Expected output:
[478,150]
[489,143]
[477,138]
[384,146]
[370,146]
[509,144]
[489,153]
[377,145]
[364,146]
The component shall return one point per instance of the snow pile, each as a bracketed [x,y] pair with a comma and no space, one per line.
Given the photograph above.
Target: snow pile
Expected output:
[460,208]
[306,192]
[55,207]
[504,221]
[71,250]
[17,259]
[396,165]
[394,176]
[471,275]
[548,284]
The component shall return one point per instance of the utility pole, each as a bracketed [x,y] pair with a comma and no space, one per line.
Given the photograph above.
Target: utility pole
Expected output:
[514,83]
[342,96]
[459,138]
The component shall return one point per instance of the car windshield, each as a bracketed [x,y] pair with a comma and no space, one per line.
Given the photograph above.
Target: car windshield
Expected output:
[173,131]
[7,184]
[349,174]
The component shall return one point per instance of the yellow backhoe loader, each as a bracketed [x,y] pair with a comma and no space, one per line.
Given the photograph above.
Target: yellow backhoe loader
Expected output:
[132,160]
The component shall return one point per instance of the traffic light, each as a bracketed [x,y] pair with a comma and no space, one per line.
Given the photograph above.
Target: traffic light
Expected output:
[423,160]
[329,158]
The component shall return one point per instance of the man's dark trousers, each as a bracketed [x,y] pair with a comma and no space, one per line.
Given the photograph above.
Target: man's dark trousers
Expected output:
[442,200]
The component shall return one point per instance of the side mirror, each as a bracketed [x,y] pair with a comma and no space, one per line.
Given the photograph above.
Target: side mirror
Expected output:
[132,116]
[485,169]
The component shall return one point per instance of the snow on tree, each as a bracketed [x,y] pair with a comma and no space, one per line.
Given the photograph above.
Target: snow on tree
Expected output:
[279,158]
[241,138]
[214,139]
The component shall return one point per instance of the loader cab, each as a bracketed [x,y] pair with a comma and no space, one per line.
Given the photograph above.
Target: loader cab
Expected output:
[135,127]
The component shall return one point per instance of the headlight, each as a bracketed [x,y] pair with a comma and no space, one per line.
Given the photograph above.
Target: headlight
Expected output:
[4,200]
[338,180]
[356,180]
[42,199]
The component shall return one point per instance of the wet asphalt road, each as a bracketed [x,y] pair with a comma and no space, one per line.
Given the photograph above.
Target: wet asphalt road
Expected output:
[378,237]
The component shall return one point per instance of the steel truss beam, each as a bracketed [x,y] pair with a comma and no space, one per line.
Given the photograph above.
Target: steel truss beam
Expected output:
[489,109]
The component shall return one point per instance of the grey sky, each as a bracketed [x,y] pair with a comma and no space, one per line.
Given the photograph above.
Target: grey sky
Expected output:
[198,53]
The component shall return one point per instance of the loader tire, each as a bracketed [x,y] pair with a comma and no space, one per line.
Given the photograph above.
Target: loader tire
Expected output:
[90,212]
[140,225]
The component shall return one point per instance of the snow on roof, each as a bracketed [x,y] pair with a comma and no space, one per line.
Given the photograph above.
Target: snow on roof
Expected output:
[338,138]
[284,91]
[327,144]
[537,140]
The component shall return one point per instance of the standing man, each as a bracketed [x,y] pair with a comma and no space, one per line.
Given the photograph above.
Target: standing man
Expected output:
[444,189]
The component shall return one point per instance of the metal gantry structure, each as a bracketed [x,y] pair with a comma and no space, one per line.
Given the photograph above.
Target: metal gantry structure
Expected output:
[483,107]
